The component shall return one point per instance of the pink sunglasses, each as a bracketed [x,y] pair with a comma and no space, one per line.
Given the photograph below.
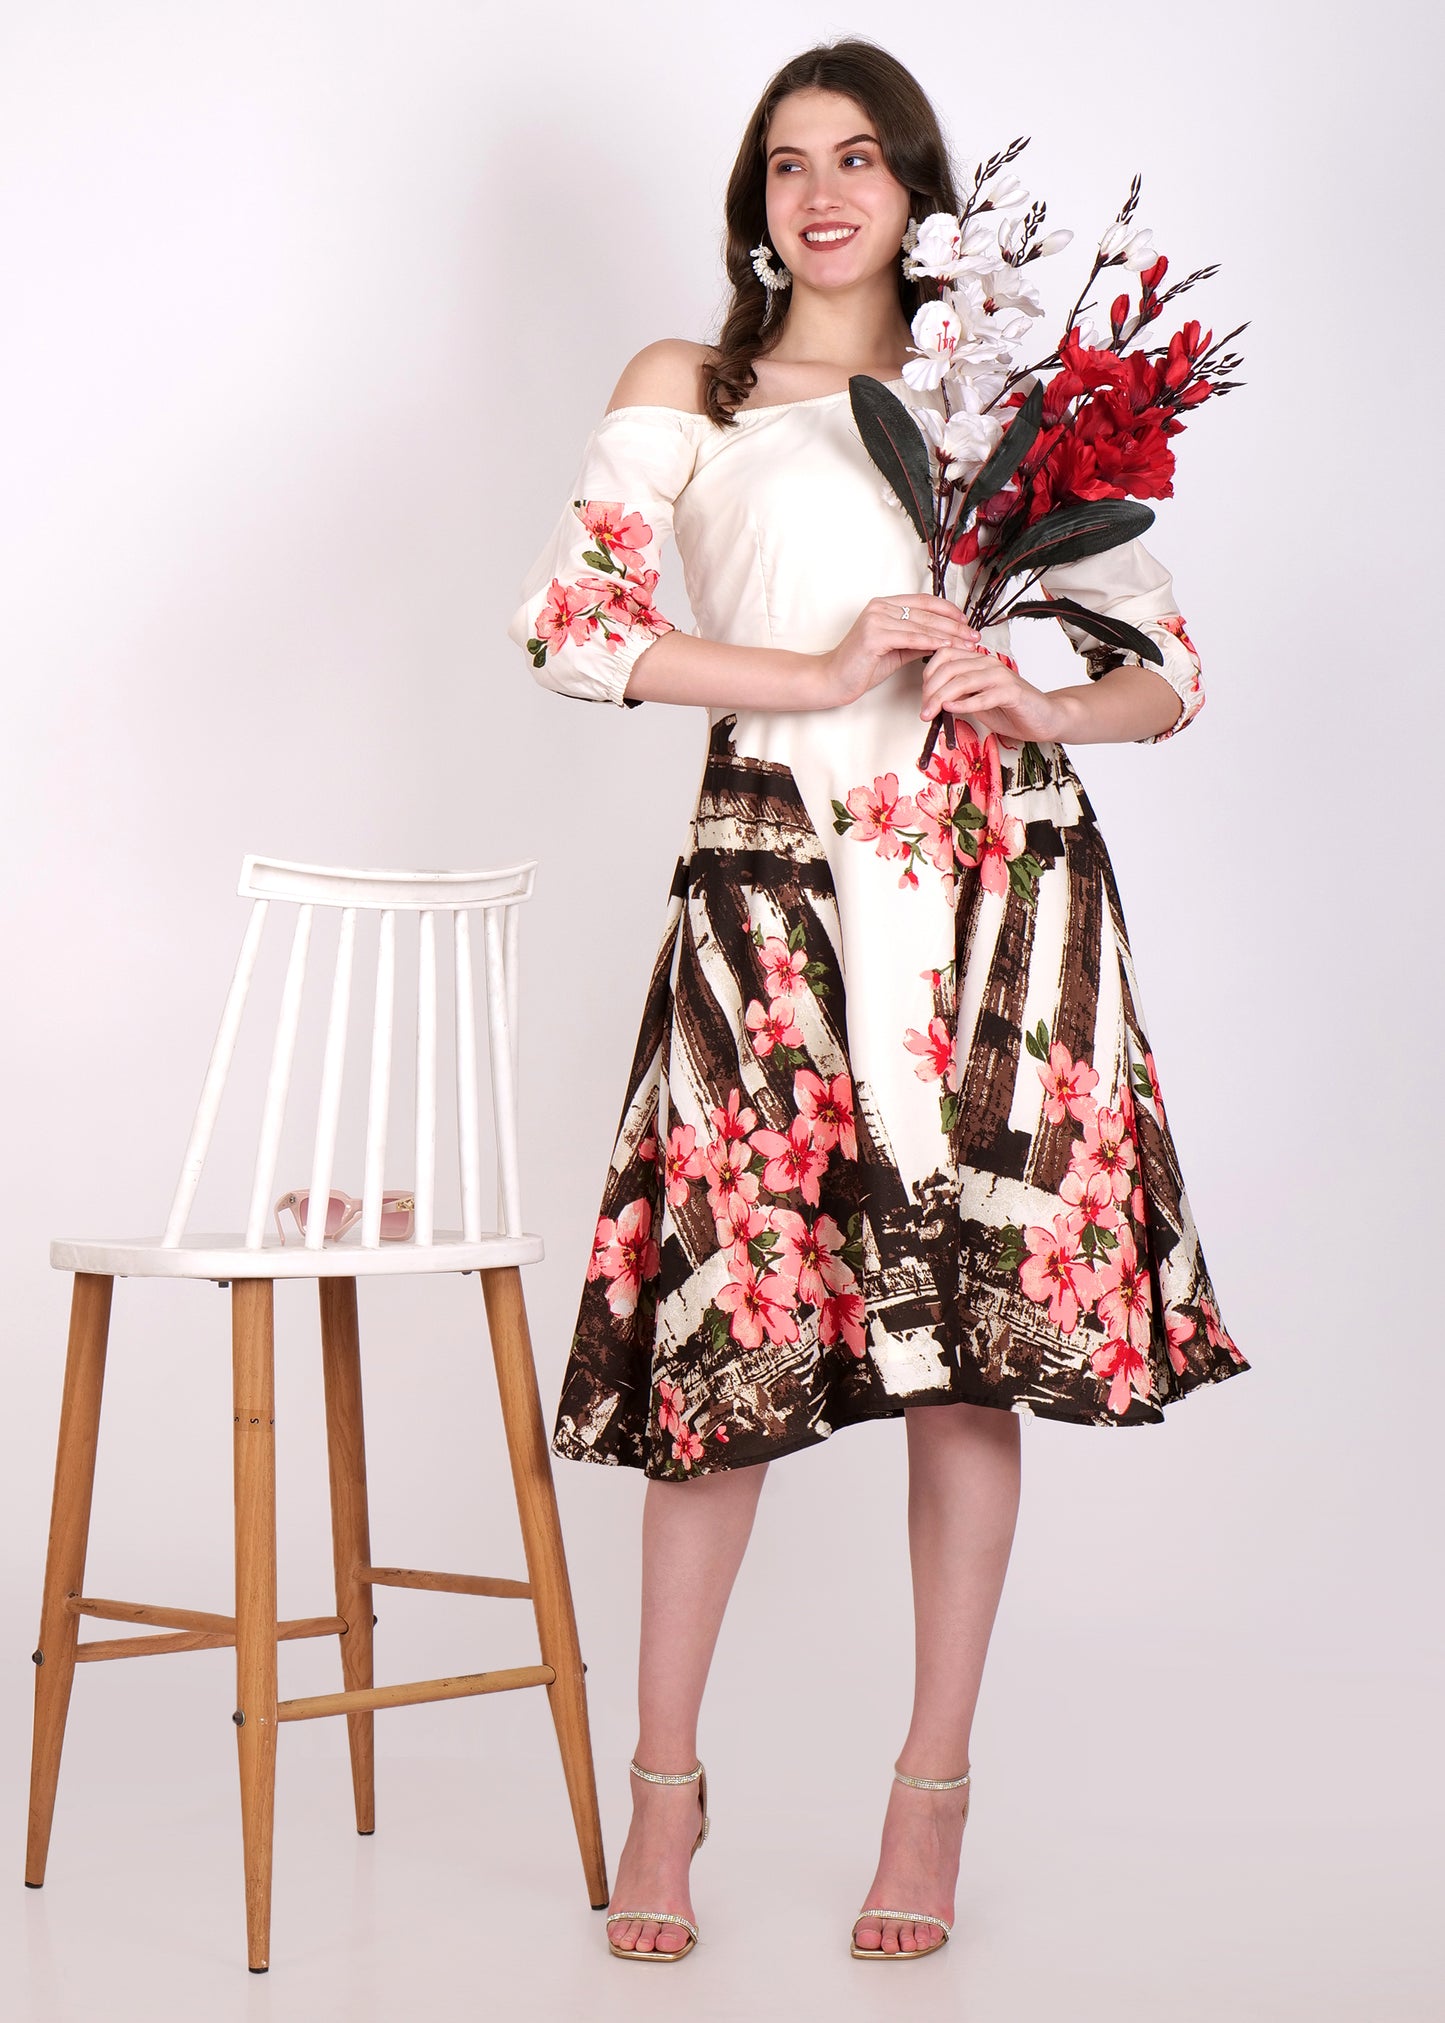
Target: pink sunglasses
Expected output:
[343,1210]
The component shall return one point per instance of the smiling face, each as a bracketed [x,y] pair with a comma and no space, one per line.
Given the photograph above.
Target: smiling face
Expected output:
[836,211]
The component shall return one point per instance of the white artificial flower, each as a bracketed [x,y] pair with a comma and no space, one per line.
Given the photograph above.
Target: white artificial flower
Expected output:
[970,440]
[1139,252]
[1053,242]
[945,249]
[1009,195]
[1116,236]
[1090,337]
[1008,289]
[937,333]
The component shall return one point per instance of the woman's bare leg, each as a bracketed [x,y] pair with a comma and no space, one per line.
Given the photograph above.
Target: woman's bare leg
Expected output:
[693,1538]
[963,1497]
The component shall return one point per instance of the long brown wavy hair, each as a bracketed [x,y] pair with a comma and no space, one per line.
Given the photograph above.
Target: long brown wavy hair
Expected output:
[914,150]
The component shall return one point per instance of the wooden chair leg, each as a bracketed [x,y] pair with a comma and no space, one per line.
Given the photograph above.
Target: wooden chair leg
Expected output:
[350,1523]
[65,1558]
[253,1372]
[546,1561]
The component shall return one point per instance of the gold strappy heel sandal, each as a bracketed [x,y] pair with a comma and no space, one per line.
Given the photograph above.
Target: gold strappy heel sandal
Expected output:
[664,1917]
[912,1917]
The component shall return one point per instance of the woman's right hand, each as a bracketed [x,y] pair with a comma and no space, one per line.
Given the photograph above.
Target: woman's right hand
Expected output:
[880,641]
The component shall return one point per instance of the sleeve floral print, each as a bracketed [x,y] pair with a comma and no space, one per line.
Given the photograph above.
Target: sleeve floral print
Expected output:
[589,608]
[1129,583]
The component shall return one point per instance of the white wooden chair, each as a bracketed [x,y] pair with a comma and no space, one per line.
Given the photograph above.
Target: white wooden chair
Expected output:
[250,1263]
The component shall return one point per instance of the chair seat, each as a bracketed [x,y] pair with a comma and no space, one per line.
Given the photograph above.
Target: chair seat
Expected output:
[226,1257]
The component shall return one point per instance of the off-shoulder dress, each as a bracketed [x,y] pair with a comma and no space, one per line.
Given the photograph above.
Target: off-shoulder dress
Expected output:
[893,1132]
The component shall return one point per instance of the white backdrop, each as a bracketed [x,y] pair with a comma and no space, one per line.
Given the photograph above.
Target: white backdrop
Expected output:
[307,311]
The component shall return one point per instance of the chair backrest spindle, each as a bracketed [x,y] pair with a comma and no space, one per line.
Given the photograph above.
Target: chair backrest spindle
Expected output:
[328,1111]
[278,1082]
[424,1178]
[217,1069]
[469,1161]
[378,1105]
[504,1109]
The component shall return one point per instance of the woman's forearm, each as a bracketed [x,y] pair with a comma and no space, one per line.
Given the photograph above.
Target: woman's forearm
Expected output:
[681,668]
[1127,703]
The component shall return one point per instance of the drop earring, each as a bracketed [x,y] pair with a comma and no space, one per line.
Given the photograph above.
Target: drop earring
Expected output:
[774,283]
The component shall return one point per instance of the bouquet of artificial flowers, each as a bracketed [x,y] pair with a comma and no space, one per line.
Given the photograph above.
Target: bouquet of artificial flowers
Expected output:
[1017,478]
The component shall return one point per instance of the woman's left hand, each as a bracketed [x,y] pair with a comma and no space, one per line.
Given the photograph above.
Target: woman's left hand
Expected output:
[983,688]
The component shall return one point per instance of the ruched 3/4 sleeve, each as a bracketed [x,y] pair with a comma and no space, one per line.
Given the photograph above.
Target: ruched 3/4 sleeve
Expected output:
[589,606]
[1127,582]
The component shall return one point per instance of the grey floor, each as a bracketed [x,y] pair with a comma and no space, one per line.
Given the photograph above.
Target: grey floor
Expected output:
[1294,1879]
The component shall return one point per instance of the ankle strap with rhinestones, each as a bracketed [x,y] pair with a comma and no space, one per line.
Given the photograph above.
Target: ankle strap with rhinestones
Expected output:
[934,1783]
[666,1776]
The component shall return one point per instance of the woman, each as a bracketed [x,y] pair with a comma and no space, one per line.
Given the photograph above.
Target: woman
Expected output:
[892,1142]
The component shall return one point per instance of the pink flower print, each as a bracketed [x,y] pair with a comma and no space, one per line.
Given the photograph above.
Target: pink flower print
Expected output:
[1215,1332]
[841,1318]
[1158,1100]
[686,1447]
[774,1027]
[783,967]
[1122,1292]
[793,1160]
[1136,1204]
[1122,1363]
[608,597]
[1106,1147]
[880,812]
[936,1048]
[828,1107]
[736,1230]
[612,526]
[733,1123]
[682,1162]
[639,588]
[631,1257]
[995,846]
[935,806]
[730,1187]
[808,1255]
[759,1306]
[603,1239]
[670,1405]
[648,1149]
[565,615]
[1067,1083]
[981,766]
[1091,1200]
[1055,1274]
[1177,1328]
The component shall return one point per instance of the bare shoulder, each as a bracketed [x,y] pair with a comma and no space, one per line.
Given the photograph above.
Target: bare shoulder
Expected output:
[665,374]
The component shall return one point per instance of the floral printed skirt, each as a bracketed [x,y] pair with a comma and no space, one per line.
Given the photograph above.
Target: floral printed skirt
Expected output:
[893,1133]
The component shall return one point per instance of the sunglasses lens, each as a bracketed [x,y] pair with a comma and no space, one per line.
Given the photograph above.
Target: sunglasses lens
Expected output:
[335,1214]
[395,1222]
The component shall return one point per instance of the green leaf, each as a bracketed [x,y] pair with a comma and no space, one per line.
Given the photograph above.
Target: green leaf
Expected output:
[600,559]
[796,938]
[968,815]
[1012,1250]
[895,442]
[949,1105]
[842,820]
[539,658]
[1113,631]
[1037,1041]
[1069,534]
[1009,452]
